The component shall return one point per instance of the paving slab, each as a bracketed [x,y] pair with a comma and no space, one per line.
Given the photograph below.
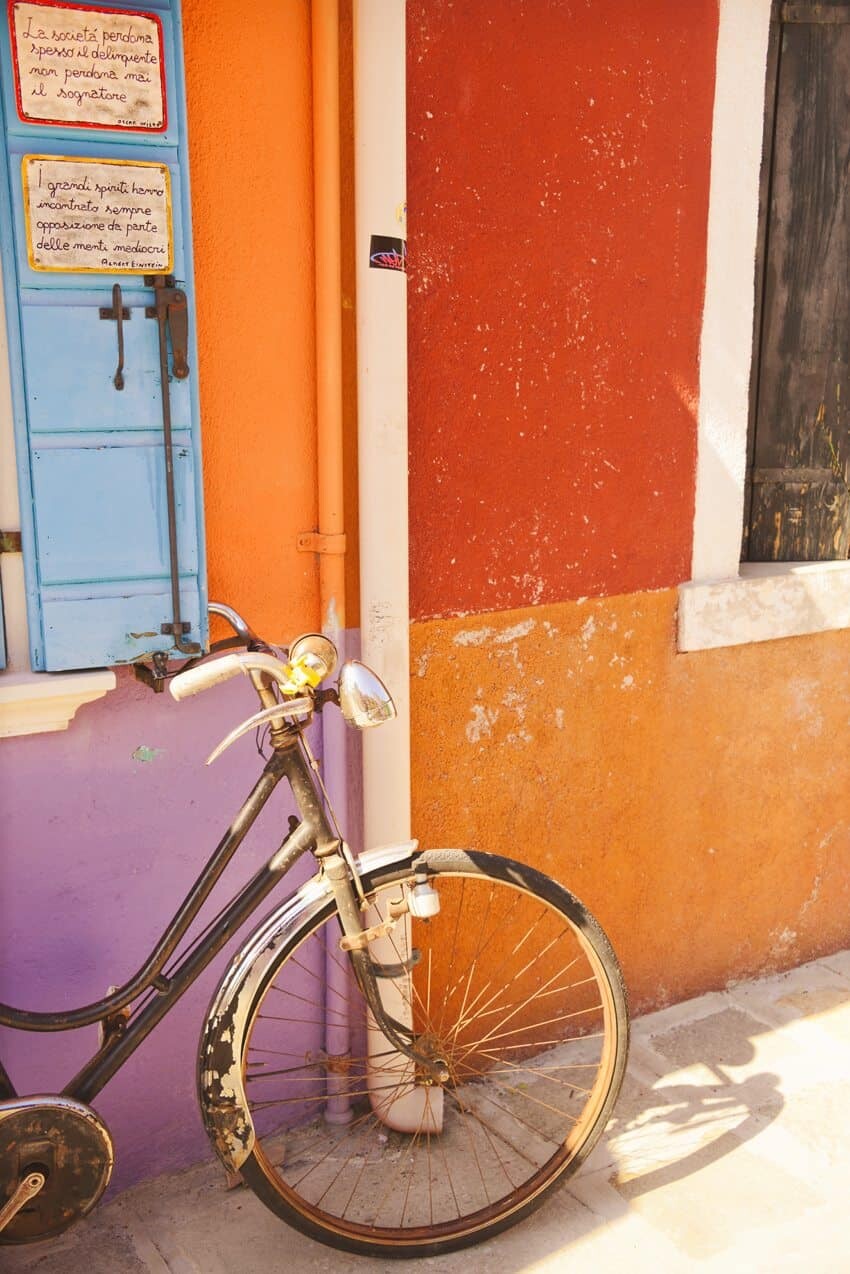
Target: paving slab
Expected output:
[729,1151]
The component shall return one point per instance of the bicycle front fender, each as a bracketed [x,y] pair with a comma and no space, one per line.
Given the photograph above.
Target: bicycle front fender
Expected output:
[221,1088]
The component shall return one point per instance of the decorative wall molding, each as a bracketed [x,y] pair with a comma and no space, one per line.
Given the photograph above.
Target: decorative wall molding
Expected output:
[35,702]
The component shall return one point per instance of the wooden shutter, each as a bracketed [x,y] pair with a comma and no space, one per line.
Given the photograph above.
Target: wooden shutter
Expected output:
[92,460]
[800,440]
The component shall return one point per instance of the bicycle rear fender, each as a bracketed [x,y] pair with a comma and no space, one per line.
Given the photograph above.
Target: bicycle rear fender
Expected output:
[221,1089]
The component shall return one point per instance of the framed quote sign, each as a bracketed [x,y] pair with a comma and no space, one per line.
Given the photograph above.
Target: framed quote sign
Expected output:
[88,67]
[105,216]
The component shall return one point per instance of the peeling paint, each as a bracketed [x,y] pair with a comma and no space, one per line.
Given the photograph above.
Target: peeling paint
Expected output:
[473,637]
[518,630]
[481,725]
[588,628]
[516,702]
[146,754]
[479,636]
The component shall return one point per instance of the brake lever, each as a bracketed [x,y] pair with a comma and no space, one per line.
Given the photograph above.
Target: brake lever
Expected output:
[291,708]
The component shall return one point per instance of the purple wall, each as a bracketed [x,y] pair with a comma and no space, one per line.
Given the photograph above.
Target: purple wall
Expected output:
[97,848]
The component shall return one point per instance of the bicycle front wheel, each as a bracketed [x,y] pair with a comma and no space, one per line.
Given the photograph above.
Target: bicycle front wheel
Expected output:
[517,989]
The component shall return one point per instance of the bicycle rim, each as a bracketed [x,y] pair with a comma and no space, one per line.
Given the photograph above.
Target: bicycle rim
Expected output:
[517,989]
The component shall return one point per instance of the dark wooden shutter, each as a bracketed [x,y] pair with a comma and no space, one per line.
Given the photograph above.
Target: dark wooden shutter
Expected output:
[799,507]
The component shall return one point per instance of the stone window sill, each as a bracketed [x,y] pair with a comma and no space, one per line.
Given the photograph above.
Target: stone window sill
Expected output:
[35,702]
[766,601]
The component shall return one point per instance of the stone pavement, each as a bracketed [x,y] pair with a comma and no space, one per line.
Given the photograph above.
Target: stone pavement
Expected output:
[729,1151]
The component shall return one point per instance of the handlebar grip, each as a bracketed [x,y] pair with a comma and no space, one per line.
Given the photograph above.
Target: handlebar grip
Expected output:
[194,680]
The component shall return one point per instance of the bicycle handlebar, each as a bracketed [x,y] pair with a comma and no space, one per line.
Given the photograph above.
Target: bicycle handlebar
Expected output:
[202,676]
[240,626]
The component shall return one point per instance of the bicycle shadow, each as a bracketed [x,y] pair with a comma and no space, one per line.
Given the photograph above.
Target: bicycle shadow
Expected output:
[693,1096]
[682,1105]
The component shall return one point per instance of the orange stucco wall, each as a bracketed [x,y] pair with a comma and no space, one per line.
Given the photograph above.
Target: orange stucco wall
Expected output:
[248,91]
[697,803]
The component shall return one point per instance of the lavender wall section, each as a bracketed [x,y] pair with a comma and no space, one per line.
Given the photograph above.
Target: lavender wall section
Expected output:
[103,830]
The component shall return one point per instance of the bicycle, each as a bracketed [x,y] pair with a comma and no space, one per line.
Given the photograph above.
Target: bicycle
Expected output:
[407,1055]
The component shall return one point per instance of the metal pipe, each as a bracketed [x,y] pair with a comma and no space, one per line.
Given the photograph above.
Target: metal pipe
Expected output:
[328,252]
[329,428]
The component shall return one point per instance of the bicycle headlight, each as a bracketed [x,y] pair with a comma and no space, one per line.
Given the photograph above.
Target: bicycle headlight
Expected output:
[315,654]
[363,698]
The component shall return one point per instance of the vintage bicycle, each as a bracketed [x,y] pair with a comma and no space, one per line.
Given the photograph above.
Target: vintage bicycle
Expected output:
[481,1007]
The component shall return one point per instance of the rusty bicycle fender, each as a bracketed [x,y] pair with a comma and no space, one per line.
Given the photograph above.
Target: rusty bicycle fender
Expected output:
[221,1089]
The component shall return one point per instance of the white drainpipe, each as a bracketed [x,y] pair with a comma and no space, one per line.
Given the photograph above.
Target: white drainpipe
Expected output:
[380,209]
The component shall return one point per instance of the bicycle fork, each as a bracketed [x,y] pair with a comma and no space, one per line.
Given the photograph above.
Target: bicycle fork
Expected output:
[355,941]
[402,1077]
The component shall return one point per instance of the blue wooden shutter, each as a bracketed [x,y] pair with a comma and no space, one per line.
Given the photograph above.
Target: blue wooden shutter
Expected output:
[91,458]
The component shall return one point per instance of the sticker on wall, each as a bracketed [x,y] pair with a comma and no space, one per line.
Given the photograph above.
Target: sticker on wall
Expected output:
[88,68]
[110,216]
[387,253]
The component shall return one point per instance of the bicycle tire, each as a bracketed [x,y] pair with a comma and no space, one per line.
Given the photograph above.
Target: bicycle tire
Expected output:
[515,1116]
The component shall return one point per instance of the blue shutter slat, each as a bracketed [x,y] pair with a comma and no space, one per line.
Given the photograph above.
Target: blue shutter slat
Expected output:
[93,468]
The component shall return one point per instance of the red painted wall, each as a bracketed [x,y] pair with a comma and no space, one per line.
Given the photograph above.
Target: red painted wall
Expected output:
[558,187]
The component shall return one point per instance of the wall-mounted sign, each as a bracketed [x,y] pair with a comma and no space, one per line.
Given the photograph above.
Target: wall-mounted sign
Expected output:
[88,68]
[110,216]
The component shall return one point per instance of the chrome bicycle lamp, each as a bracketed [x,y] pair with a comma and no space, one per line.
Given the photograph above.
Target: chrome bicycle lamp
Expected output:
[363,698]
[316,652]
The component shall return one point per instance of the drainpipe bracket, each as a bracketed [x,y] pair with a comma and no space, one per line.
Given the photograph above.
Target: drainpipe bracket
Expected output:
[315,542]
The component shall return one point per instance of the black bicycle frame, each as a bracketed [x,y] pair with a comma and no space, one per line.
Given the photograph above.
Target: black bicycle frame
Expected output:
[123,1034]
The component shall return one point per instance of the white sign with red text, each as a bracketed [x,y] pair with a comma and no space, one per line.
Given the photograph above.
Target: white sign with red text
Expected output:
[88,68]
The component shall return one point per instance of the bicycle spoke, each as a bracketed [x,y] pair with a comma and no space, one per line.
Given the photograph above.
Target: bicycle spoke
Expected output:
[537,994]
[323,983]
[539,1044]
[563,1017]
[540,995]
[518,1149]
[516,978]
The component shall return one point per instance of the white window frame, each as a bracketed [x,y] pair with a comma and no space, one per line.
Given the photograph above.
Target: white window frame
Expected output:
[30,702]
[727,602]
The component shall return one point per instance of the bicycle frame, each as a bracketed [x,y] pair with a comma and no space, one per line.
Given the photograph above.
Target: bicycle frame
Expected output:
[124,1031]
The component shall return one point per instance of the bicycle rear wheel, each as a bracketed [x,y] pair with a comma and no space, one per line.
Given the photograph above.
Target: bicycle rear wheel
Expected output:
[518,990]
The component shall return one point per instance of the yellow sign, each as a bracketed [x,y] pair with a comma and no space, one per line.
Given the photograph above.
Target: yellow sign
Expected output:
[102,216]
